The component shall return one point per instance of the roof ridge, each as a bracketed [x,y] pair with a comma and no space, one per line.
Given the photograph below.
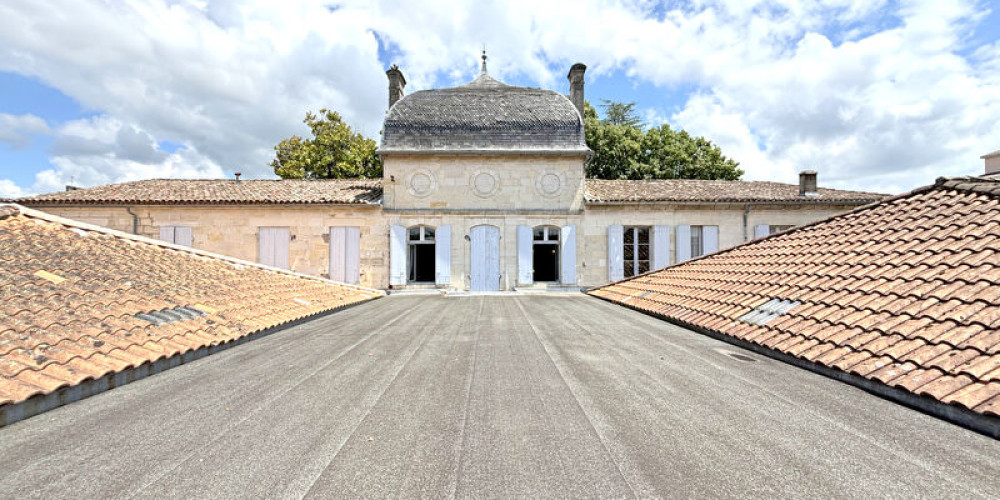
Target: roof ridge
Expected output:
[70,223]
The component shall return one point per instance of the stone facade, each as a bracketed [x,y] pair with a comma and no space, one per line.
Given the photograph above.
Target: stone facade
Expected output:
[481,154]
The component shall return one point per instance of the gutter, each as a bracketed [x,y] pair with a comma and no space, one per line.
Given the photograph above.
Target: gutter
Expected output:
[746,217]
[135,219]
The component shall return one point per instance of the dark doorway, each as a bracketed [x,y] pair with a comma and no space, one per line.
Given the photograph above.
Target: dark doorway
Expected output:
[545,254]
[421,258]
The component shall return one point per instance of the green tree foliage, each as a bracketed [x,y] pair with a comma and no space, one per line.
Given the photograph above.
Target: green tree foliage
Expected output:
[334,152]
[623,150]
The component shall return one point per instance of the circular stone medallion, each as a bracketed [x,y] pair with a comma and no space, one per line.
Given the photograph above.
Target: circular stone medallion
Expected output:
[485,183]
[422,183]
[549,184]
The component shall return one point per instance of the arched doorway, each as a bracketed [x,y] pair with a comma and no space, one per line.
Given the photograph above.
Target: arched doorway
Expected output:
[484,265]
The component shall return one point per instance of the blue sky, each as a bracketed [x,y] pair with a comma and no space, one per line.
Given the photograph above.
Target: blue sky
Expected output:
[875,95]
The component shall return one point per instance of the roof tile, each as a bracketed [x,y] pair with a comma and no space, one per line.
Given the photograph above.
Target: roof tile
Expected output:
[59,333]
[905,292]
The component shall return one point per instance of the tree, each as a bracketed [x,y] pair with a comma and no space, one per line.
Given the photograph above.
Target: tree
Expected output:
[334,152]
[619,113]
[622,150]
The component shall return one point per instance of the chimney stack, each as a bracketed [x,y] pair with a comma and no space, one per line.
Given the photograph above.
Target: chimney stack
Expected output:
[396,84]
[575,78]
[992,162]
[807,183]
[237,175]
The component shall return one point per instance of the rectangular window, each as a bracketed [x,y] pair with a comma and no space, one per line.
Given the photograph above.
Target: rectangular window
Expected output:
[778,229]
[697,241]
[635,251]
[704,240]
[178,235]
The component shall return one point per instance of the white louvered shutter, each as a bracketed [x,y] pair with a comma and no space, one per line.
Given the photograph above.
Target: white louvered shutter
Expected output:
[661,247]
[397,255]
[567,260]
[683,242]
[525,264]
[616,262]
[710,239]
[442,255]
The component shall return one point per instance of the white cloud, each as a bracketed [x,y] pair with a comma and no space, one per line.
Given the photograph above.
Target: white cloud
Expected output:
[15,130]
[874,94]
[10,190]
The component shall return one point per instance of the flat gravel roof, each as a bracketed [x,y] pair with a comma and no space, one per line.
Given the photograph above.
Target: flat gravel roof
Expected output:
[491,396]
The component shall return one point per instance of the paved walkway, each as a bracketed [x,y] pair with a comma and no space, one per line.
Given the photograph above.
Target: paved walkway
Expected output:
[486,396]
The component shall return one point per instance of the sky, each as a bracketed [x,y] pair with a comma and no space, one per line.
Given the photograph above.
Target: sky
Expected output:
[874,95]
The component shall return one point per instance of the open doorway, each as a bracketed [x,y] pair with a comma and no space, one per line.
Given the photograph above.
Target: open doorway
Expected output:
[545,254]
[420,255]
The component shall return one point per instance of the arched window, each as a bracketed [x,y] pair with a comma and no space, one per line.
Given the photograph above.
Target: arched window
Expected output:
[545,254]
[420,260]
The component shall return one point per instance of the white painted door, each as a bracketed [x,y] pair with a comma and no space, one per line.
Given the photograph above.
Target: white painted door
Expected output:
[485,257]
[345,247]
[273,246]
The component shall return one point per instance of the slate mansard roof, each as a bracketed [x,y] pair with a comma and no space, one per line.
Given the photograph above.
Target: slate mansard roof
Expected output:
[80,302]
[369,192]
[904,293]
[483,115]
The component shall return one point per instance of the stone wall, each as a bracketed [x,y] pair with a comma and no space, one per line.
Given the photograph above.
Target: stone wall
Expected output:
[483,182]
[232,230]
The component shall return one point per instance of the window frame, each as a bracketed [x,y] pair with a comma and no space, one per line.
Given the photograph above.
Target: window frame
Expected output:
[636,267]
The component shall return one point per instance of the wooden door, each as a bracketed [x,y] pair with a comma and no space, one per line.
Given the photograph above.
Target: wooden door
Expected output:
[273,246]
[485,259]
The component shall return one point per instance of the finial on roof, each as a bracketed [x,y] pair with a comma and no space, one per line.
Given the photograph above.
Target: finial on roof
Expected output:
[483,72]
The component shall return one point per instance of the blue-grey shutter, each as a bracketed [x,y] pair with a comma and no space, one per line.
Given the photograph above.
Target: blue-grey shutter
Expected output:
[167,233]
[352,255]
[661,247]
[616,262]
[683,242]
[442,255]
[567,257]
[761,230]
[397,255]
[710,239]
[525,243]
[338,243]
[273,246]
[182,235]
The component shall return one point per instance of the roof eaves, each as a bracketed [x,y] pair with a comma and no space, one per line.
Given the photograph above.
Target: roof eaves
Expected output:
[36,214]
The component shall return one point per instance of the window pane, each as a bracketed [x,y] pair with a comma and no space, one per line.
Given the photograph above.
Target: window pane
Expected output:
[428,233]
[643,251]
[696,245]
[642,234]
[629,268]
[553,234]
[778,229]
[539,234]
[629,235]
[629,251]
[414,233]
[643,266]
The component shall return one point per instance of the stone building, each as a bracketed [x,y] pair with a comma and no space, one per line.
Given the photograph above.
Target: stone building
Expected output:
[483,190]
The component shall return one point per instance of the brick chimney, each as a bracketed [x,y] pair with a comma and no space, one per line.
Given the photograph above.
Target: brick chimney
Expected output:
[575,78]
[396,84]
[807,183]
[992,162]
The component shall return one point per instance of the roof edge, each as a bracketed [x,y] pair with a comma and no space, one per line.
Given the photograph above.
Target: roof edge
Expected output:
[38,214]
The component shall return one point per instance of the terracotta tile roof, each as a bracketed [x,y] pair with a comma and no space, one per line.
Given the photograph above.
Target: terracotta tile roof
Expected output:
[905,292]
[686,190]
[78,302]
[221,192]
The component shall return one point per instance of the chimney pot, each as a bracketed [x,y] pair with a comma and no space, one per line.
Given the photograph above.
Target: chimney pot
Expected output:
[575,78]
[237,175]
[396,84]
[807,183]
[992,161]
